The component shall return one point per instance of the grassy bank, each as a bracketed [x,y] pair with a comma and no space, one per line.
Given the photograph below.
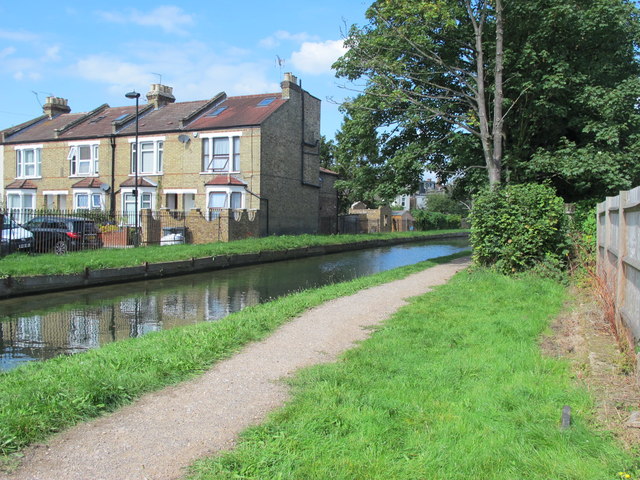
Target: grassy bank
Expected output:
[453,387]
[21,264]
[38,399]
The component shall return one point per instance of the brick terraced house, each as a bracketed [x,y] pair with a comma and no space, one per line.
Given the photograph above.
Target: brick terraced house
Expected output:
[252,160]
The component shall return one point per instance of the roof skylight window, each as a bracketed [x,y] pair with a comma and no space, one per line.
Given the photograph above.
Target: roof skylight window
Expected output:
[121,117]
[216,112]
[266,101]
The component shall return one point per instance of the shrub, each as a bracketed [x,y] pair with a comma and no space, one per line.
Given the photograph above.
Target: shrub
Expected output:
[443,203]
[518,228]
[425,220]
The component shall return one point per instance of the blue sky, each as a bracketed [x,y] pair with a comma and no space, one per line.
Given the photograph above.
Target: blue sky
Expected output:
[94,52]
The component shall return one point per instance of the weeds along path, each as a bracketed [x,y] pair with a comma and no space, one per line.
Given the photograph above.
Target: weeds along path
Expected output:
[164,432]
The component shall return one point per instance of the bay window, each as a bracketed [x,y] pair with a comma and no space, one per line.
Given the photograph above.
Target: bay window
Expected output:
[226,197]
[88,200]
[20,203]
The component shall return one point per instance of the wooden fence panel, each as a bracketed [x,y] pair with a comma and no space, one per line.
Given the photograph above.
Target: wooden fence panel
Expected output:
[619,255]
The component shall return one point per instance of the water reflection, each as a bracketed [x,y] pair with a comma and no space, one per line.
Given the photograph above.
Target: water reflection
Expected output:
[46,326]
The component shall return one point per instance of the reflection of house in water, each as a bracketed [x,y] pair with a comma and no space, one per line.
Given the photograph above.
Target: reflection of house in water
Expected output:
[222,300]
[142,315]
[28,332]
[84,330]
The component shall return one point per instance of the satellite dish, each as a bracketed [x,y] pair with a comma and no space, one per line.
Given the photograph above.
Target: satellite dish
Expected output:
[104,187]
[184,138]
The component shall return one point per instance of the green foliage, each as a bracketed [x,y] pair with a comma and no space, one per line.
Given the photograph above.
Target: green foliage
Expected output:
[570,104]
[452,387]
[515,228]
[427,220]
[327,153]
[443,203]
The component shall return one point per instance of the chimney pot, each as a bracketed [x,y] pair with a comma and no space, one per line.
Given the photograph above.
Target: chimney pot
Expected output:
[55,106]
[160,95]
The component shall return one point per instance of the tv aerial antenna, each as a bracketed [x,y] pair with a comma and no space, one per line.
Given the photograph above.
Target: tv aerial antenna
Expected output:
[280,64]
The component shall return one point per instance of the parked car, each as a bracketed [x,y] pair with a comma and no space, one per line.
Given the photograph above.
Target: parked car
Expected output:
[14,237]
[62,234]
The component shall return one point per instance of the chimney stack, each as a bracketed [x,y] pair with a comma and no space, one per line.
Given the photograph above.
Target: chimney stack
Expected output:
[289,83]
[55,106]
[160,95]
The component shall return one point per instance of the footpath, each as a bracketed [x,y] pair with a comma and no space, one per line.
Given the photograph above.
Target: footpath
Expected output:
[161,434]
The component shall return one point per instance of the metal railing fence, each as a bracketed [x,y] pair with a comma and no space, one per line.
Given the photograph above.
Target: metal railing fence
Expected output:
[60,231]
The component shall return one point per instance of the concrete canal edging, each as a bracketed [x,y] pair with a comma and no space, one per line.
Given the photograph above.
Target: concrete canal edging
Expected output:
[30,285]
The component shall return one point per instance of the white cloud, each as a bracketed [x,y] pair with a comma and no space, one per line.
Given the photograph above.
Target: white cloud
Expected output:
[52,54]
[317,57]
[278,37]
[170,18]
[5,52]
[103,69]
[18,36]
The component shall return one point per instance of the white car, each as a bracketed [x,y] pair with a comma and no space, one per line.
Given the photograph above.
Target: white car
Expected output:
[14,237]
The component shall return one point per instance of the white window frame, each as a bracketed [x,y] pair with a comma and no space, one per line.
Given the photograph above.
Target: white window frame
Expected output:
[227,190]
[36,164]
[92,195]
[92,162]
[157,155]
[20,211]
[232,163]
[128,199]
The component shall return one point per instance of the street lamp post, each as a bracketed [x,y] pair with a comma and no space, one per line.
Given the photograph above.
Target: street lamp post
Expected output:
[136,95]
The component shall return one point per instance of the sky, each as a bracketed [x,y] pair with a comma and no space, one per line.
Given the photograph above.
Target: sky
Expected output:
[93,53]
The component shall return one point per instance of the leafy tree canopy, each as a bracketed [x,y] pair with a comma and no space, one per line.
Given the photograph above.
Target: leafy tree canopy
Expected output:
[570,95]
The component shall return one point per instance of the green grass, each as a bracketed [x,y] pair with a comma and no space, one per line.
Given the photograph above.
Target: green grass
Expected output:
[40,398]
[452,387]
[76,262]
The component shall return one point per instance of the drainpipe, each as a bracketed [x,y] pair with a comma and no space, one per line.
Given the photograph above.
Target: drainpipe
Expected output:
[303,143]
[112,206]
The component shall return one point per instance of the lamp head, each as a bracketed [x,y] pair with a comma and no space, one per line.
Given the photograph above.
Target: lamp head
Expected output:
[132,95]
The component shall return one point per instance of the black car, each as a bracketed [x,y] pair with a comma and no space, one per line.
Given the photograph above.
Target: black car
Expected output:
[63,234]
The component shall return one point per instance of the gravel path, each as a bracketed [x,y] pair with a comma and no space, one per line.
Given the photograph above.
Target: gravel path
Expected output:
[164,432]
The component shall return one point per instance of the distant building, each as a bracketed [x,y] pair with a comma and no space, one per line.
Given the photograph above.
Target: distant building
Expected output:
[418,199]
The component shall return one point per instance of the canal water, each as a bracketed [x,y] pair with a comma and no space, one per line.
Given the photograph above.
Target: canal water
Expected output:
[45,326]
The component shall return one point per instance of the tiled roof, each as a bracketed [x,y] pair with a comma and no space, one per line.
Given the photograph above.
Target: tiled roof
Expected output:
[225,180]
[22,184]
[88,183]
[174,117]
[99,125]
[165,119]
[239,111]
[42,130]
[142,182]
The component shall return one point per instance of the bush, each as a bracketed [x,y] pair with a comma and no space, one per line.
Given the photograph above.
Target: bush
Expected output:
[443,203]
[425,220]
[519,228]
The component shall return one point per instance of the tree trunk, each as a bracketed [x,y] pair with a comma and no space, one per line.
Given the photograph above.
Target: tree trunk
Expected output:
[496,162]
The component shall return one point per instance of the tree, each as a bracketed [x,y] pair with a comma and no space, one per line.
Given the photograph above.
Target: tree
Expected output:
[428,66]
[327,153]
[560,104]
[576,123]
